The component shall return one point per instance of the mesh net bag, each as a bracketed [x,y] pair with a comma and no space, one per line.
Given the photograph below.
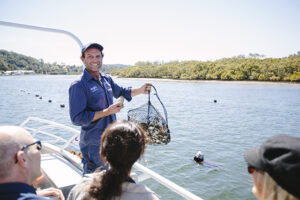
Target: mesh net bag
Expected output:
[153,123]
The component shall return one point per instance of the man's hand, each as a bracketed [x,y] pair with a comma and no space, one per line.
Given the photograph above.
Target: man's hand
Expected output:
[48,192]
[114,108]
[144,89]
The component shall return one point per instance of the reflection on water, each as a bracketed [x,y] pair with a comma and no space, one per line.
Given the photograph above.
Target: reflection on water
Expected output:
[244,115]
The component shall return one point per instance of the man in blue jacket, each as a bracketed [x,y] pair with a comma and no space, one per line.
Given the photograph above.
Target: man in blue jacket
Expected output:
[91,104]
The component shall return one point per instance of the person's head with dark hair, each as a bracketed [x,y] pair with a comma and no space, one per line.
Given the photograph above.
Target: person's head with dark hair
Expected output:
[122,144]
[275,168]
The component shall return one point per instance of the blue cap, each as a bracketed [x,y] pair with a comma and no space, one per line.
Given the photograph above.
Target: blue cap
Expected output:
[90,45]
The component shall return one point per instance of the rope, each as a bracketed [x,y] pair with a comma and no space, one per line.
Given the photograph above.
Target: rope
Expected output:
[165,111]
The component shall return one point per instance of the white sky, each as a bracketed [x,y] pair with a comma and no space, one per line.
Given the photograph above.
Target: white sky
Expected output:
[153,30]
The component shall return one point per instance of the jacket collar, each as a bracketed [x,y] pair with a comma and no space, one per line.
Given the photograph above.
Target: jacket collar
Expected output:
[87,76]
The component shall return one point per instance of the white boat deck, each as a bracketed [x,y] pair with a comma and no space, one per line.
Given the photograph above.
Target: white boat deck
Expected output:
[61,172]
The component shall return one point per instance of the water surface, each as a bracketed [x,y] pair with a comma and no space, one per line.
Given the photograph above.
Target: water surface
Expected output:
[244,116]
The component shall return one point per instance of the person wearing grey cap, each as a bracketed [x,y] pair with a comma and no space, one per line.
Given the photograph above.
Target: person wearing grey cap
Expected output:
[91,104]
[275,168]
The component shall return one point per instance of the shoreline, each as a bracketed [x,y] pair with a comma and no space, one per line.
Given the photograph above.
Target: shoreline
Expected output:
[174,80]
[215,81]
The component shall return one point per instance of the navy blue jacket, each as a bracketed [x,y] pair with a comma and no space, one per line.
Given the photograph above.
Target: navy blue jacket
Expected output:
[18,191]
[88,95]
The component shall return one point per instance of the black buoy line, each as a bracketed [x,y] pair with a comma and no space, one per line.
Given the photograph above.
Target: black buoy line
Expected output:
[38,28]
[41,97]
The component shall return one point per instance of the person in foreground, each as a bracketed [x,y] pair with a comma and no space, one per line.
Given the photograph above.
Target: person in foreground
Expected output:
[122,144]
[275,168]
[20,166]
[91,104]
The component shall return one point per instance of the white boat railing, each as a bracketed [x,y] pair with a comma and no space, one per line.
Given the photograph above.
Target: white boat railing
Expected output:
[73,142]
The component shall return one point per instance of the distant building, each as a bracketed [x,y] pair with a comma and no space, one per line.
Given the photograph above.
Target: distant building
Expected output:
[19,72]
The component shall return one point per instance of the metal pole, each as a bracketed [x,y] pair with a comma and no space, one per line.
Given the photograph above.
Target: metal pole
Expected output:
[11,24]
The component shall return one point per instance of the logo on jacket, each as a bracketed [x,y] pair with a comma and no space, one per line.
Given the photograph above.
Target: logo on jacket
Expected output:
[94,89]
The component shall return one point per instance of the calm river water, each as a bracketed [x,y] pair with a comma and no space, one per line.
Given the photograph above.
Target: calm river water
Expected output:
[244,116]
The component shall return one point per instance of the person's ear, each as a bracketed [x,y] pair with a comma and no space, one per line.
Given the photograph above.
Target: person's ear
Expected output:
[21,158]
[82,58]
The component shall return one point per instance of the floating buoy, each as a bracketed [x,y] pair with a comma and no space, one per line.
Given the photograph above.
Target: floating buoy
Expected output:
[199,157]
[49,100]
[62,105]
[215,101]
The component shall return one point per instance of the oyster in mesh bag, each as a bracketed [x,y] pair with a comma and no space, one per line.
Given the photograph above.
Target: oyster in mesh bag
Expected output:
[152,122]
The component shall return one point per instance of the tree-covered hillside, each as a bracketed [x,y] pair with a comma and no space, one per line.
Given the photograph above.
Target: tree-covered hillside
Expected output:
[107,69]
[251,68]
[254,67]
[13,61]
